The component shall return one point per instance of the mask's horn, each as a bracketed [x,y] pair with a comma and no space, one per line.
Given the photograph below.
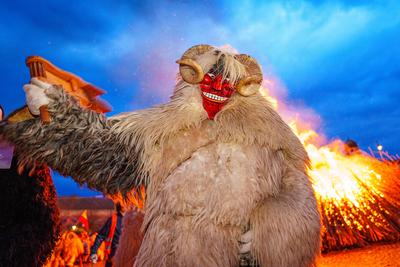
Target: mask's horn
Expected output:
[250,84]
[190,70]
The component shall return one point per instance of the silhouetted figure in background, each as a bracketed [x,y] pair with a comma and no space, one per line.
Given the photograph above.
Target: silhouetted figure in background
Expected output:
[109,233]
[351,147]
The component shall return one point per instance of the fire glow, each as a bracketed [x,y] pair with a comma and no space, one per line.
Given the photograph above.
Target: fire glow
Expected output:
[358,195]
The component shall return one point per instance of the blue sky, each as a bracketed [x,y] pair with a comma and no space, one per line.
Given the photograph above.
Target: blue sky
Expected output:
[340,59]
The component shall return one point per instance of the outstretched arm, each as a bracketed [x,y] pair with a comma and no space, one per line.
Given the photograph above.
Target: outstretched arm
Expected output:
[77,142]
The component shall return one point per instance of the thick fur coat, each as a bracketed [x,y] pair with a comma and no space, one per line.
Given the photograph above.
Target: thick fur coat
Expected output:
[206,181]
[130,240]
[29,217]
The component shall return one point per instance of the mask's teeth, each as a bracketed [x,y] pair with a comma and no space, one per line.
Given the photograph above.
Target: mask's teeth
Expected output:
[215,97]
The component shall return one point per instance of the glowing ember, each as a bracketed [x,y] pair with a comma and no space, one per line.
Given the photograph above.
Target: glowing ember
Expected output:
[358,194]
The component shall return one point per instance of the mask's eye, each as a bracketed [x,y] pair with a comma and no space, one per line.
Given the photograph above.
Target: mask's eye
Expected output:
[212,76]
[227,89]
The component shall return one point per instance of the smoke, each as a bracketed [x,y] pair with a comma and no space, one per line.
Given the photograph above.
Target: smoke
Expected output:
[292,111]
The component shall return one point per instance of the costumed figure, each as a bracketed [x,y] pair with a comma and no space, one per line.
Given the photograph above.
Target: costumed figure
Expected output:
[217,161]
[29,216]
[72,248]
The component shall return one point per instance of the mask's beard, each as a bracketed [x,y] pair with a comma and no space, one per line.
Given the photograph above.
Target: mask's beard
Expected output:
[212,108]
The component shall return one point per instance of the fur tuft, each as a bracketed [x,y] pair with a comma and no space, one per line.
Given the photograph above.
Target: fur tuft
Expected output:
[233,69]
[130,240]
[29,221]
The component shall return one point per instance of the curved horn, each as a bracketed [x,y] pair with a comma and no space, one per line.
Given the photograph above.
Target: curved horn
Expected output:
[250,84]
[190,70]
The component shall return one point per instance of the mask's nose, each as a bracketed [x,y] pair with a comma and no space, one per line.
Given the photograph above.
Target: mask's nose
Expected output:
[217,83]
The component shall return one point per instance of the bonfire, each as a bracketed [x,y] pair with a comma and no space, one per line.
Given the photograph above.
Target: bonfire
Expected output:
[358,194]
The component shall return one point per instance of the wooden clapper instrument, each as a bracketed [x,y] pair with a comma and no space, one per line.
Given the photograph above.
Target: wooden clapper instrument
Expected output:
[86,93]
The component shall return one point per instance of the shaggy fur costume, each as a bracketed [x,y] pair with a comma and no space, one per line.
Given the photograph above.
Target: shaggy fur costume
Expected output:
[29,220]
[206,180]
[130,240]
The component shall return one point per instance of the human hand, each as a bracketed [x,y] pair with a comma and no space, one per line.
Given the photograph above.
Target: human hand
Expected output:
[35,93]
[93,258]
[245,242]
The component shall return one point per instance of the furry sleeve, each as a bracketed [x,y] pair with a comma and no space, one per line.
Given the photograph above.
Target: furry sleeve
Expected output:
[286,224]
[77,142]
[130,240]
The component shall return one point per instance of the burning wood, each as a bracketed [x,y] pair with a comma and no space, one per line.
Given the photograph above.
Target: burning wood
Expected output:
[357,194]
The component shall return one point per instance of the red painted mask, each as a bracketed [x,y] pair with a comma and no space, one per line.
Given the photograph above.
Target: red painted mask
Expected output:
[215,93]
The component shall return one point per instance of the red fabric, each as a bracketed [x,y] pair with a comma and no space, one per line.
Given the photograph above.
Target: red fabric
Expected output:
[215,86]
[83,220]
[110,235]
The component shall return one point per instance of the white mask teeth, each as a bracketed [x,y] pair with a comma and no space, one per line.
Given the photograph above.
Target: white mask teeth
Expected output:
[214,97]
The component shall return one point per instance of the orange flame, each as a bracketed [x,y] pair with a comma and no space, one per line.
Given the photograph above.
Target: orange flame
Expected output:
[357,193]
[134,198]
